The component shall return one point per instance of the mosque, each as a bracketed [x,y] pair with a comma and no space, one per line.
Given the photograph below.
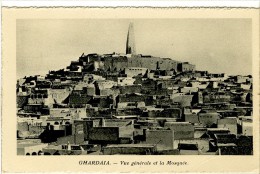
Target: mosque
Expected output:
[117,62]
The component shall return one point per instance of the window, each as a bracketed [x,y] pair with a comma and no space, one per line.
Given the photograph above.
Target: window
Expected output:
[64,147]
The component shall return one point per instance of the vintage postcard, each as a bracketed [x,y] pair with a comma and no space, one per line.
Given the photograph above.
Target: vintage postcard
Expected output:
[130,90]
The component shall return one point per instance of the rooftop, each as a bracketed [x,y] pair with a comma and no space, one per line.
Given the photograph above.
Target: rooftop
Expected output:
[131,145]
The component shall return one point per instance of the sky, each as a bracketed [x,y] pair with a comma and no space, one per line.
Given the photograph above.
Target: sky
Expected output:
[215,45]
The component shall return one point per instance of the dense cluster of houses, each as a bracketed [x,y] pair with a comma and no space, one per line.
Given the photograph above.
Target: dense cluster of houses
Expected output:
[134,104]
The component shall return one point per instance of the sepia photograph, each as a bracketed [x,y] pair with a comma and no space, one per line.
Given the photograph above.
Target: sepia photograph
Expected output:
[146,86]
[136,86]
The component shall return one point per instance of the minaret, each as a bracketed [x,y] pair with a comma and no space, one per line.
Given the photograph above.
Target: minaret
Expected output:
[130,42]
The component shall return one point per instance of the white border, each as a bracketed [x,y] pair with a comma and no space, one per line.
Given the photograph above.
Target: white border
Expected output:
[220,3]
[132,3]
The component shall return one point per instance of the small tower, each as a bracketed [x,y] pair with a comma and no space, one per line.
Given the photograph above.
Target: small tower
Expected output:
[130,42]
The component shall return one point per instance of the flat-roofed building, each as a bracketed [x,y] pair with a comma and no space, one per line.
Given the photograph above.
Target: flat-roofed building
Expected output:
[182,130]
[228,122]
[162,138]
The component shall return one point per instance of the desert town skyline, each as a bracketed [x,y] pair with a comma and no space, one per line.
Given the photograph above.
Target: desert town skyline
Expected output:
[130,103]
[200,41]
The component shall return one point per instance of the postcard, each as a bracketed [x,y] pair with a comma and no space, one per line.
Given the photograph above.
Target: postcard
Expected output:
[130,89]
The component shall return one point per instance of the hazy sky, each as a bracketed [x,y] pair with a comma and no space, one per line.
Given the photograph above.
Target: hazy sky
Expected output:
[216,45]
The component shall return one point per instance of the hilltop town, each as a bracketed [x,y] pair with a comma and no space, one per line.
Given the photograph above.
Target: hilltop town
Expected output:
[107,104]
